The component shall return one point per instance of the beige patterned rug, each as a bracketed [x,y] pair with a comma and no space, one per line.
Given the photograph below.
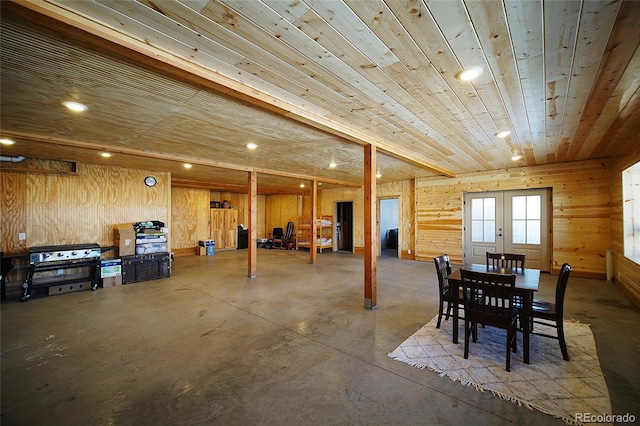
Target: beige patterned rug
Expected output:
[549,384]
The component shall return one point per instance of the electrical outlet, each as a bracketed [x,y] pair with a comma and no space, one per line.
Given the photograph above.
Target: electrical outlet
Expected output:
[22,236]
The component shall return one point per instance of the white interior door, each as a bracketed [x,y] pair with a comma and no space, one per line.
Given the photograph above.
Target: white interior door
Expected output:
[509,222]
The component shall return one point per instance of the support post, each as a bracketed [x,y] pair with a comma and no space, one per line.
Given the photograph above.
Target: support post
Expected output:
[370,228]
[253,219]
[313,231]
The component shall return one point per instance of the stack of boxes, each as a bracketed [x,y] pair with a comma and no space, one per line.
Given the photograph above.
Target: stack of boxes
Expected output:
[206,247]
[144,250]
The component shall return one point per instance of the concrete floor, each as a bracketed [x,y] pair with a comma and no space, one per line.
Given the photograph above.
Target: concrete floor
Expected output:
[293,346]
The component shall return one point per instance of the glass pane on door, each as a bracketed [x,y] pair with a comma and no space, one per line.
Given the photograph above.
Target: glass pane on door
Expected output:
[483,220]
[525,216]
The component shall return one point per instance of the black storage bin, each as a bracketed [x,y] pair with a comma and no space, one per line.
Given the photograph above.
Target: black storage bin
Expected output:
[243,238]
[145,267]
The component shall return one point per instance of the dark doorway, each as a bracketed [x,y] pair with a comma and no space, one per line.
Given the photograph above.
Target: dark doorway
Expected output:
[344,226]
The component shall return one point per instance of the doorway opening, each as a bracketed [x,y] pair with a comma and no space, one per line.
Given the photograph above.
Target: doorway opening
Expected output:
[388,230]
[344,226]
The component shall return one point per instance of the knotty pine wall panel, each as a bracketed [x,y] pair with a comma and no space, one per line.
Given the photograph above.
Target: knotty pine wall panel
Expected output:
[580,207]
[327,198]
[189,219]
[279,210]
[404,192]
[626,273]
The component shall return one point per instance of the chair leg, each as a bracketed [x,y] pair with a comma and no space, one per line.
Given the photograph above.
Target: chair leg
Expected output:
[440,313]
[467,333]
[563,342]
[449,307]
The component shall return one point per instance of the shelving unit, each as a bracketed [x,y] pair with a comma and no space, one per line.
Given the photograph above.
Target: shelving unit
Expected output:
[324,232]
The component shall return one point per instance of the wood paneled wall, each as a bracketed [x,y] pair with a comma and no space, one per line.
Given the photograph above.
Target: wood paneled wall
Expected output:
[189,219]
[403,190]
[279,210]
[53,209]
[327,198]
[626,273]
[581,211]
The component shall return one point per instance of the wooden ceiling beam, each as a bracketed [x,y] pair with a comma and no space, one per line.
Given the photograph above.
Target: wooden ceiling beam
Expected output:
[222,83]
[162,156]
[188,183]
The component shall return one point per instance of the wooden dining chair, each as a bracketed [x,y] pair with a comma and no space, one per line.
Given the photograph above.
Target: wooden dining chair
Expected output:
[494,260]
[443,268]
[551,314]
[513,261]
[489,300]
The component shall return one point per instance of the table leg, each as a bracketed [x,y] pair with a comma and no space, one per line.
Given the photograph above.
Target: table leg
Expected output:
[455,312]
[526,320]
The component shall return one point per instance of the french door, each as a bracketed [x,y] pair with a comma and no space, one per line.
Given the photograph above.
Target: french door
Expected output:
[509,222]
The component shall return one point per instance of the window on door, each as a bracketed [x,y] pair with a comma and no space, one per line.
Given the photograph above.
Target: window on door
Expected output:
[509,222]
[526,219]
[483,220]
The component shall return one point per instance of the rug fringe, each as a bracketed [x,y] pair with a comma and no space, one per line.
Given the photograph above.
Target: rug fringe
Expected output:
[478,387]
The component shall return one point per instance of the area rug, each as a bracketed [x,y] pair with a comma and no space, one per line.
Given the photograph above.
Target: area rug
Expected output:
[566,390]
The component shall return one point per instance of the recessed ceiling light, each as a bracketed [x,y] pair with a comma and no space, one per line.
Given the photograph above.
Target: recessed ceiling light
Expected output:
[187,165]
[503,134]
[333,164]
[252,145]
[105,154]
[516,157]
[378,175]
[470,73]
[5,141]
[302,185]
[75,106]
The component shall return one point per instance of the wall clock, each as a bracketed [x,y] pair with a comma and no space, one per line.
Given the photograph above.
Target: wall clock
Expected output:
[150,181]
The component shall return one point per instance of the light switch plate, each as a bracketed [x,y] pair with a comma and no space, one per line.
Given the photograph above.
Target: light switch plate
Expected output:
[22,236]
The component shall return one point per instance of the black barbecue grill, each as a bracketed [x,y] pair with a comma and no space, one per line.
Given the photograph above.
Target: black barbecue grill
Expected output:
[62,257]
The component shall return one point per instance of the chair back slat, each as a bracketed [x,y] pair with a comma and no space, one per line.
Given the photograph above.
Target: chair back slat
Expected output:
[513,261]
[494,260]
[505,260]
[489,294]
[443,268]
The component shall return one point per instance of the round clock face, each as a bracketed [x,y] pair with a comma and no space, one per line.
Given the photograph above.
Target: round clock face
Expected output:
[150,181]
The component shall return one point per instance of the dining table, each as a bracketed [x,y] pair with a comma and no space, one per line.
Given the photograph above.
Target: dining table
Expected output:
[527,281]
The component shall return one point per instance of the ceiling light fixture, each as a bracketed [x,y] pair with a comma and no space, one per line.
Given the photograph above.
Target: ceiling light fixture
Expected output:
[302,185]
[516,157]
[187,166]
[378,175]
[503,134]
[6,141]
[105,154]
[469,73]
[333,164]
[252,145]
[75,106]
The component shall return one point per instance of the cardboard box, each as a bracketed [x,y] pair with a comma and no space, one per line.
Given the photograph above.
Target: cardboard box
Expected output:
[124,237]
[205,251]
[112,281]
[110,268]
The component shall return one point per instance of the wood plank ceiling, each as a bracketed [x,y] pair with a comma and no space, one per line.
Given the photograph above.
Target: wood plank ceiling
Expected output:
[311,82]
